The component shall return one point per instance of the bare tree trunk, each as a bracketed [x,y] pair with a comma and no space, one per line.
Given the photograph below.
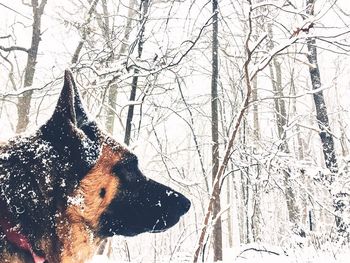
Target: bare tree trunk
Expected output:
[144,10]
[256,187]
[112,95]
[236,126]
[323,122]
[304,211]
[246,226]
[229,212]
[321,112]
[281,116]
[281,121]
[84,32]
[256,217]
[320,105]
[23,105]
[255,109]
[228,151]
[217,231]
[300,146]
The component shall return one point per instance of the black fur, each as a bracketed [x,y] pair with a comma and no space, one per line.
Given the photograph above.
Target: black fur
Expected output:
[147,206]
[39,172]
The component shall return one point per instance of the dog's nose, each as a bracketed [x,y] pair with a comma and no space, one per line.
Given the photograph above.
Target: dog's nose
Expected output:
[183,203]
[187,205]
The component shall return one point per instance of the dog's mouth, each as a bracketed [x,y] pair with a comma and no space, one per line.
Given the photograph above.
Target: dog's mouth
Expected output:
[118,228]
[141,204]
[128,219]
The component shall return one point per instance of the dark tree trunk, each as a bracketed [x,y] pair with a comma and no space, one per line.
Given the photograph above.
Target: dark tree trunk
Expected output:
[320,105]
[323,123]
[321,111]
[131,109]
[144,9]
[217,231]
[23,105]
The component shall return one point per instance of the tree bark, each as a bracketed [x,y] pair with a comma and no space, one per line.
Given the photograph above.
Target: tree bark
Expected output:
[144,7]
[281,121]
[320,104]
[112,95]
[300,145]
[256,187]
[321,111]
[281,117]
[255,109]
[84,32]
[217,231]
[323,123]
[23,105]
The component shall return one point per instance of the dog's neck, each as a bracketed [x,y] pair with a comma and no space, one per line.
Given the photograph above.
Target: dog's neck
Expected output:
[77,241]
[14,236]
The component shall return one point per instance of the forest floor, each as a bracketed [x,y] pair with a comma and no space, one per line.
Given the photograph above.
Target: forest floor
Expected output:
[254,253]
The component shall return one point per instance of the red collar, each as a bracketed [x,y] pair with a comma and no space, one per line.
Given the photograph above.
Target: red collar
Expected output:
[13,234]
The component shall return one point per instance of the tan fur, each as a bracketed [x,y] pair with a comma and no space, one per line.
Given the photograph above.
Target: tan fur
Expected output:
[77,223]
[11,258]
[80,221]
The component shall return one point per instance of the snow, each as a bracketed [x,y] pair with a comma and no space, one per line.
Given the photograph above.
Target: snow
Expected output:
[256,175]
[77,200]
[169,193]
[268,254]
[261,253]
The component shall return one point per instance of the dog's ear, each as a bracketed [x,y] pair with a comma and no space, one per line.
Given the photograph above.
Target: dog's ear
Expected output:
[74,138]
[65,108]
[80,113]
[69,107]
[83,122]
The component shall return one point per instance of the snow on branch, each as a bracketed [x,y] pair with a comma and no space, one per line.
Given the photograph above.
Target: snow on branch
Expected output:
[267,58]
[14,48]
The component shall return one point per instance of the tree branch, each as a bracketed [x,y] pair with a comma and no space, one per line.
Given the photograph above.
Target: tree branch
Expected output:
[14,48]
[228,151]
[259,250]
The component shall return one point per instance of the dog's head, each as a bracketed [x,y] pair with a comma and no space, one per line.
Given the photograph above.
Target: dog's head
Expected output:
[106,190]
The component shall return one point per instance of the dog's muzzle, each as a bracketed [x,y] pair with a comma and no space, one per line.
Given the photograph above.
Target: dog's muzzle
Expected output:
[144,206]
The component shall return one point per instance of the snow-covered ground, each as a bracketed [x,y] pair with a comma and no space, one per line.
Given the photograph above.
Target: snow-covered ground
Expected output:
[254,253]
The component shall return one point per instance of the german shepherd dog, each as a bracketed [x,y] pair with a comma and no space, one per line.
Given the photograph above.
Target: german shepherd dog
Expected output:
[69,185]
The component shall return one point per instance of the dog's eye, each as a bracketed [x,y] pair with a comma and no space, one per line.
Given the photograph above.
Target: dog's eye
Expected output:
[129,163]
[102,192]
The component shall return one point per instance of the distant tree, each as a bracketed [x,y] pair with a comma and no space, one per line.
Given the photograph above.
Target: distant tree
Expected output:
[84,31]
[325,132]
[112,95]
[144,6]
[217,231]
[320,104]
[24,101]
[281,123]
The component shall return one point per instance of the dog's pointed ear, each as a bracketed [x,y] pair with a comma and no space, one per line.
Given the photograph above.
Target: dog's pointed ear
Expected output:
[74,138]
[65,109]
[80,113]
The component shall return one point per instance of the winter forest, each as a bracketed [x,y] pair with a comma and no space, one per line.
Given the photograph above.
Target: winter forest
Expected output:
[242,106]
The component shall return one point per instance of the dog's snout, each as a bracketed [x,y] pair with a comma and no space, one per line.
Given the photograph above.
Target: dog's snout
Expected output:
[187,205]
[182,203]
